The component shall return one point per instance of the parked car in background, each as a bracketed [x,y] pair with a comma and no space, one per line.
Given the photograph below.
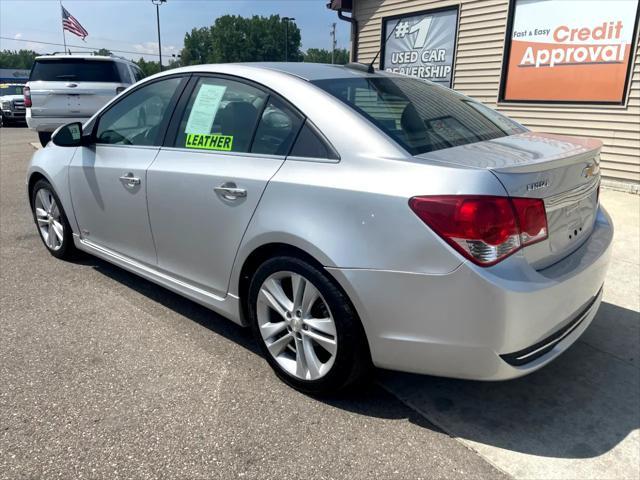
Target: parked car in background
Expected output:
[66,88]
[12,103]
[348,217]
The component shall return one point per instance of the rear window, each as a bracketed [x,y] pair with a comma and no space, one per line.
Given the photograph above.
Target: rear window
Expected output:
[420,116]
[74,70]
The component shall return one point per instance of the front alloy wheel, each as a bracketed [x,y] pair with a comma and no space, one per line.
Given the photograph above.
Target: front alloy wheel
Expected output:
[52,223]
[49,220]
[296,325]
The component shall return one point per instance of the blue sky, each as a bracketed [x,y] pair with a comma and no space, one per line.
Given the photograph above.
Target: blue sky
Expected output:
[131,24]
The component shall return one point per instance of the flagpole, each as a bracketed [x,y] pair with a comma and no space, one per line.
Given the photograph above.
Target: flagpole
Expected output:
[64,37]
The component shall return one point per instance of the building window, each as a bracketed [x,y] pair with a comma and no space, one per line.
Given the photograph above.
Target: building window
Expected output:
[569,51]
[421,44]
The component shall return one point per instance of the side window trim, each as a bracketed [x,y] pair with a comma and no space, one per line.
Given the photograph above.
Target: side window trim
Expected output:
[165,122]
[172,131]
[333,157]
[256,124]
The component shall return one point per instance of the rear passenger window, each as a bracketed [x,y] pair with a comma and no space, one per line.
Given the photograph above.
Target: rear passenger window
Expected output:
[137,73]
[277,129]
[221,116]
[123,70]
[310,144]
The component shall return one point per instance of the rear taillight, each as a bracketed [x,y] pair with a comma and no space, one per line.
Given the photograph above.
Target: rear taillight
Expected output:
[484,229]
[27,97]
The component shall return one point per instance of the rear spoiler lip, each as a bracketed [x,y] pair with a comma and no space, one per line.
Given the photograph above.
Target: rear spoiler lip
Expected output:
[552,162]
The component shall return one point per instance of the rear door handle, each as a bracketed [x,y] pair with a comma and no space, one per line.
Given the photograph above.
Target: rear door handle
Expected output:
[129,180]
[230,191]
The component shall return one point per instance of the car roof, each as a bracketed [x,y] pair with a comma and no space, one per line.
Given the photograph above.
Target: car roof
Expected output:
[312,71]
[305,71]
[81,56]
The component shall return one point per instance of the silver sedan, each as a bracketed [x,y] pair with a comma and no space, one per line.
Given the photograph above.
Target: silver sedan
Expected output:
[352,219]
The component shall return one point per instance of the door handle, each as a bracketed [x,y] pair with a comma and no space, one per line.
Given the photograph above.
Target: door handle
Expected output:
[230,191]
[129,180]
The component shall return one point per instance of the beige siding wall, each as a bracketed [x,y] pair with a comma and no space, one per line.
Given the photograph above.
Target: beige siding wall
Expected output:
[477,73]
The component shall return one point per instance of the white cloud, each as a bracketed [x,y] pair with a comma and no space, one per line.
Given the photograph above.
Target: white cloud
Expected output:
[17,36]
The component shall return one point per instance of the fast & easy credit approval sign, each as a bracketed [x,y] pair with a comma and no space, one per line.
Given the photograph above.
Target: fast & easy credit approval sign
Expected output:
[570,50]
[421,45]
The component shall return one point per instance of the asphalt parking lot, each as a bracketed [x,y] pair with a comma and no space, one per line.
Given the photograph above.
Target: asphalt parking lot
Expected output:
[105,375]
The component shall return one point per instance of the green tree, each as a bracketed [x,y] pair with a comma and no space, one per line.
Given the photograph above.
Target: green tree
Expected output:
[233,38]
[151,67]
[22,59]
[103,51]
[320,55]
[197,46]
[148,68]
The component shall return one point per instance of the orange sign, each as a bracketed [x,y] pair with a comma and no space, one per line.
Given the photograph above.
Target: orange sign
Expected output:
[570,50]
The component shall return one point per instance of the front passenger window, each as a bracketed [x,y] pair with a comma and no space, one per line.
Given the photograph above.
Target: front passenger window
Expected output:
[137,118]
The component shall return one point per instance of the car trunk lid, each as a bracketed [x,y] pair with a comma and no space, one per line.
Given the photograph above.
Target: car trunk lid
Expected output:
[563,171]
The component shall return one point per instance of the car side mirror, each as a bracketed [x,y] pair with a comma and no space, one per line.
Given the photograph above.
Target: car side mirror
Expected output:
[69,135]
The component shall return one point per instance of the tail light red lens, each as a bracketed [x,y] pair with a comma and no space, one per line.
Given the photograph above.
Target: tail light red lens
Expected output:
[27,97]
[484,229]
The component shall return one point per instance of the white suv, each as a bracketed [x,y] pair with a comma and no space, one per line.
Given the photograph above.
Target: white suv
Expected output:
[71,88]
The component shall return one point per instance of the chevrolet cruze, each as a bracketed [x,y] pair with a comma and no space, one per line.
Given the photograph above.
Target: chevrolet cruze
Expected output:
[350,218]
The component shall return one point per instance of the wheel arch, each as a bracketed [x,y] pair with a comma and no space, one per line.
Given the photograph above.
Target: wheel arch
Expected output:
[257,257]
[269,250]
[34,177]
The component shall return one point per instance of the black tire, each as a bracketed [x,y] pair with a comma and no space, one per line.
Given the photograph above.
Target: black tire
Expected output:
[44,138]
[352,364]
[67,250]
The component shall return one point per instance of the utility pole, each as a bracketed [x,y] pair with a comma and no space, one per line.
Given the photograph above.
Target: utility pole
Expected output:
[286,21]
[333,42]
[157,3]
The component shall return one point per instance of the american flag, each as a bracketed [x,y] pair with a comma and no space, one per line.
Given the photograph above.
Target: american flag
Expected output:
[70,24]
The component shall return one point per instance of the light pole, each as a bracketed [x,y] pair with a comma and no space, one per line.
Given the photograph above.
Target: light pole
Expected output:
[157,3]
[286,21]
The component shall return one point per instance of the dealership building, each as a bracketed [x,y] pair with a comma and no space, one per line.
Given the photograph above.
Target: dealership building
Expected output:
[570,67]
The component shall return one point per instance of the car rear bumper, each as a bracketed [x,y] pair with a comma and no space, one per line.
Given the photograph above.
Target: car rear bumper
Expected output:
[479,323]
[49,124]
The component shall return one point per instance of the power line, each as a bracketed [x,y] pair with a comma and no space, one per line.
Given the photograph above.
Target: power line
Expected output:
[74,46]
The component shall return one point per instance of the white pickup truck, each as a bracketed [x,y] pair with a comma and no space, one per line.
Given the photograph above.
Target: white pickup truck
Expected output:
[66,88]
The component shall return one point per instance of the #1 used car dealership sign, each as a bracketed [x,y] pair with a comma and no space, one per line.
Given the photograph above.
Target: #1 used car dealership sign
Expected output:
[570,50]
[421,45]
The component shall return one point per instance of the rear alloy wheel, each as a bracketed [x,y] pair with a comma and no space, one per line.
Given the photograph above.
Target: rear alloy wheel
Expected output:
[51,220]
[297,329]
[306,327]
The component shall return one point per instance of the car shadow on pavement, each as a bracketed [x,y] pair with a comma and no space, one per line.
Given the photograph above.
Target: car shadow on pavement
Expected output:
[580,406]
[370,400]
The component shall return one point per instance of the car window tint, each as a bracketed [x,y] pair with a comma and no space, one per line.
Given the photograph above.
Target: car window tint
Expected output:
[136,119]
[221,115]
[75,70]
[137,73]
[125,75]
[311,145]
[277,129]
[420,116]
